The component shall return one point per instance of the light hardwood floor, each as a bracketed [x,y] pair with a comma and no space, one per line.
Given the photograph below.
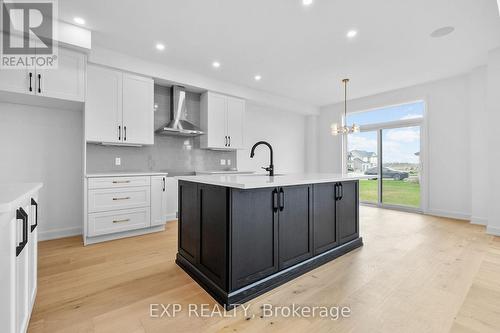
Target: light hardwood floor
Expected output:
[415,273]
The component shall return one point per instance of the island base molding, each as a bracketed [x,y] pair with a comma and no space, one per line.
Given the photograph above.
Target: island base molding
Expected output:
[242,295]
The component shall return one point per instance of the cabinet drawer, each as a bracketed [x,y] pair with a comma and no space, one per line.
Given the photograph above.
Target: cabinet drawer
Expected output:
[113,199]
[118,221]
[117,182]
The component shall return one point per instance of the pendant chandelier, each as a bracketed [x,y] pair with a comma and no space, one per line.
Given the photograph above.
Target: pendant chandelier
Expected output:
[344,129]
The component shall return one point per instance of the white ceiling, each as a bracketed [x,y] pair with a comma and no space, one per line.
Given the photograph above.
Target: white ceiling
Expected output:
[301,52]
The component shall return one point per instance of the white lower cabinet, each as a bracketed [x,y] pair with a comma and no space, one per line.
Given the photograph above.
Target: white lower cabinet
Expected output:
[122,206]
[118,221]
[158,200]
[19,253]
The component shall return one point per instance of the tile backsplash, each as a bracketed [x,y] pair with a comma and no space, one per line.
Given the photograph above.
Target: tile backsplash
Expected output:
[177,155]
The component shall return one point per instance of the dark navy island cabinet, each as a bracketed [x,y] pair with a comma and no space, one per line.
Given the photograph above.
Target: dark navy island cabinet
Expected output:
[240,243]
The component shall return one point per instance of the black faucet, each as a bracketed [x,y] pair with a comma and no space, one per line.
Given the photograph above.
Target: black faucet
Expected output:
[270,168]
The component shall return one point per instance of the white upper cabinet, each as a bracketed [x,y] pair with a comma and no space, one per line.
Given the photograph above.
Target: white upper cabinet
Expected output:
[222,119]
[235,122]
[158,200]
[103,107]
[119,107]
[67,81]
[138,109]
[17,80]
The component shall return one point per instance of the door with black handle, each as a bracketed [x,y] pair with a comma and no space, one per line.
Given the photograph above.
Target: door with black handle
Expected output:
[325,226]
[347,211]
[295,225]
[254,230]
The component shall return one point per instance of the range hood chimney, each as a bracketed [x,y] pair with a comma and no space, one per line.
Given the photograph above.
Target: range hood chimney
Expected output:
[178,124]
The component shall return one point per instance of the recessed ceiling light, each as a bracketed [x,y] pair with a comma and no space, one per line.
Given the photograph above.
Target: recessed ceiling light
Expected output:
[441,32]
[160,47]
[79,20]
[216,64]
[351,33]
[257,77]
[307,2]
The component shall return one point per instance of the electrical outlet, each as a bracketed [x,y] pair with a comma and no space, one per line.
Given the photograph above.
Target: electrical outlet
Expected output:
[228,162]
[222,162]
[118,161]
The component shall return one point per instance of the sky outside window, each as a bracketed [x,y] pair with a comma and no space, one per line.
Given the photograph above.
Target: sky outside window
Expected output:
[386,114]
[401,145]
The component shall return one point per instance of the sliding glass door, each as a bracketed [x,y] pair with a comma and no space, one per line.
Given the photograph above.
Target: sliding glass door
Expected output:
[401,166]
[388,155]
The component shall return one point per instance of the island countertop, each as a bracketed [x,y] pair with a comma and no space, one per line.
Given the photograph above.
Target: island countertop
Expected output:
[262,180]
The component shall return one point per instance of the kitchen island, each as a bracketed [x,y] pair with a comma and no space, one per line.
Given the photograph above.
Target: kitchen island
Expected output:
[243,235]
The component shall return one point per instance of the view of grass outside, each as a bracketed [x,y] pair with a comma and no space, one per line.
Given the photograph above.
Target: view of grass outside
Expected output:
[395,192]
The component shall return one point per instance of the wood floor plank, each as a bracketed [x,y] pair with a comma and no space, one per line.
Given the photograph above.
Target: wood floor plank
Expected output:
[415,273]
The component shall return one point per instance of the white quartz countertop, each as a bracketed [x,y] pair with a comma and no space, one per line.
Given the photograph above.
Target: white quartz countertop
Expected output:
[12,194]
[223,172]
[125,174]
[261,180]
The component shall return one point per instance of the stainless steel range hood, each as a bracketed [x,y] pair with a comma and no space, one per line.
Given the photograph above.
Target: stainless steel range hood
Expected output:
[179,125]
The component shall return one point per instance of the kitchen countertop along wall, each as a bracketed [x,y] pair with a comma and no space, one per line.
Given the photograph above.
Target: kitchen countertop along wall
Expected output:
[172,154]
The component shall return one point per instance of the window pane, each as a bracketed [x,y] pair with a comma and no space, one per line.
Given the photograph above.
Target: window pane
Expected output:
[392,113]
[362,159]
[401,166]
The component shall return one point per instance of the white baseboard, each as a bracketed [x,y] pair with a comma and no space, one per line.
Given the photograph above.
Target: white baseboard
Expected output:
[124,234]
[59,233]
[479,220]
[493,230]
[448,214]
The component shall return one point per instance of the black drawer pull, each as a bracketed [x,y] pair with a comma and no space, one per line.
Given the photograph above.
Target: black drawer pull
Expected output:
[34,203]
[31,76]
[39,83]
[21,215]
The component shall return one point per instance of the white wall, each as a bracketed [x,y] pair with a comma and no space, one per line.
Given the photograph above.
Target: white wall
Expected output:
[448,140]
[45,145]
[493,109]
[285,131]
[479,180]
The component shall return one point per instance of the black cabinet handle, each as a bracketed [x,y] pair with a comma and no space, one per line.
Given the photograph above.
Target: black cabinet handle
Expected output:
[34,203]
[21,215]
[275,200]
[225,141]
[119,132]
[124,133]
[31,87]
[39,83]
[336,191]
[341,191]
[282,199]
[229,141]
[164,185]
